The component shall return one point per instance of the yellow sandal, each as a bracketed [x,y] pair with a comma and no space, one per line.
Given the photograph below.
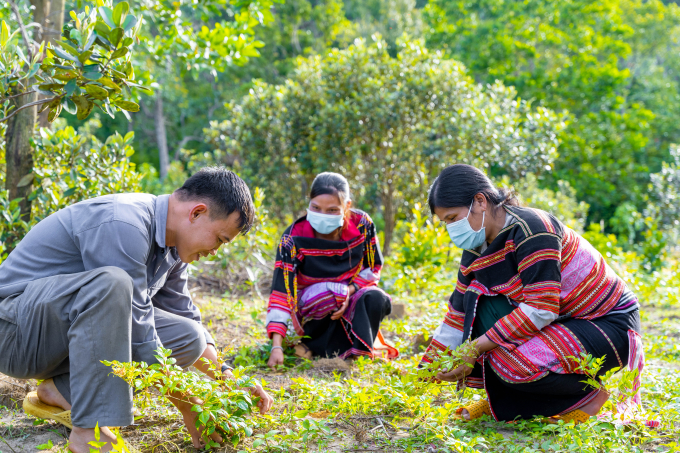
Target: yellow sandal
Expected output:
[576,416]
[33,406]
[475,410]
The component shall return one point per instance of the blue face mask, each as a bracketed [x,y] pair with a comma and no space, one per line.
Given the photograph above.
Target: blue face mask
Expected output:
[463,235]
[324,223]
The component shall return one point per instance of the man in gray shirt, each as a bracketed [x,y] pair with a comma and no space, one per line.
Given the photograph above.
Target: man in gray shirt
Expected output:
[106,279]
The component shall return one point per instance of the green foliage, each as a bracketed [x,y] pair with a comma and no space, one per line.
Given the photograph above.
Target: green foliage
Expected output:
[73,165]
[90,67]
[387,123]
[151,183]
[223,406]
[70,166]
[609,63]
[421,255]
[562,203]
[664,196]
[196,36]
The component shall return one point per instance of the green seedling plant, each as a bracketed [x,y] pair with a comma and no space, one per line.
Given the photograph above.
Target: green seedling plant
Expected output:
[96,445]
[223,406]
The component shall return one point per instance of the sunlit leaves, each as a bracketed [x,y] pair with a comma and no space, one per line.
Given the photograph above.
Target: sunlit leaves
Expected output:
[95,46]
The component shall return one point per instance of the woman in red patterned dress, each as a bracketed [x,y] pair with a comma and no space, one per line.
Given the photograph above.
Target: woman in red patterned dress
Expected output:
[325,289]
[532,297]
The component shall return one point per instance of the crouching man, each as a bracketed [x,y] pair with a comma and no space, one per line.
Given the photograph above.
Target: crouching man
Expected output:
[106,279]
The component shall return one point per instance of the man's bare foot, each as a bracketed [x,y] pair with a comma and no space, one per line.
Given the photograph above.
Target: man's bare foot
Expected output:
[593,407]
[48,394]
[79,441]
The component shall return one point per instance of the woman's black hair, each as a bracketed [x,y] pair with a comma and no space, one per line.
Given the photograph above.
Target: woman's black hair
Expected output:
[328,183]
[458,184]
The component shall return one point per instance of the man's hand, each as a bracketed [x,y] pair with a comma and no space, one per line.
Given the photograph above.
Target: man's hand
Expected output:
[190,418]
[341,311]
[266,400]
[275,358]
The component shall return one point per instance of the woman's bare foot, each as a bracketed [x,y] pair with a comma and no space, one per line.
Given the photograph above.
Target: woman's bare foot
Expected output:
[593,407]
[303,351]
[48,394]
[79,441]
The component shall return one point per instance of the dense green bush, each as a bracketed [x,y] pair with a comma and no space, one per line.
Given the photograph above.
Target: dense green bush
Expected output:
[69,166]
[611,64]
[562,202]
[389,124]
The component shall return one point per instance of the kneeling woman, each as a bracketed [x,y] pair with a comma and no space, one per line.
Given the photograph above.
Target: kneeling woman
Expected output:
[325,281]
[532,295]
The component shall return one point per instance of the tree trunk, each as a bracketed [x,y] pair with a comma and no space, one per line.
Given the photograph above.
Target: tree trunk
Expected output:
[19,154]
[161,137]
[389,213]
[50,15]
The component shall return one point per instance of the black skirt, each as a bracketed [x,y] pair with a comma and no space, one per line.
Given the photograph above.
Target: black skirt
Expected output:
[554,393]
[339,338]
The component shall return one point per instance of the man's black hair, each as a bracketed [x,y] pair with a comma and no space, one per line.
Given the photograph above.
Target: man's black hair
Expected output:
[223,191]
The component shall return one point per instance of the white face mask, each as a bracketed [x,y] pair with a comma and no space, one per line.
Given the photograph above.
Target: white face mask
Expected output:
[462,234]
[325,223]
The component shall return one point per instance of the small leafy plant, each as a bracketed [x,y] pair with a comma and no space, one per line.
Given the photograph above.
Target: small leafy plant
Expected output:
[224,407]
[622,389]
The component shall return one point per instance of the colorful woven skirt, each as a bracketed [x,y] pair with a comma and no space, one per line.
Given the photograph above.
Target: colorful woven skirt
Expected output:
[361,336]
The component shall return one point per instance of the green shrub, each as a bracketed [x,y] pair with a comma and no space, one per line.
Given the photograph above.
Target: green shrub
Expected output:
[561,203]
[69,166]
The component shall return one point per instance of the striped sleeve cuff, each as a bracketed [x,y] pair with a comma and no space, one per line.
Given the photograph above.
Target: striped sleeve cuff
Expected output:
[276,327]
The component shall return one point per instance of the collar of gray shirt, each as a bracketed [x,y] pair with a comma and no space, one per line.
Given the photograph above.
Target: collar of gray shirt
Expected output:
[161,214]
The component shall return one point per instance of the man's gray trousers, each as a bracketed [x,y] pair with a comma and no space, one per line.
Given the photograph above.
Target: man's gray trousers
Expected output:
[62,327]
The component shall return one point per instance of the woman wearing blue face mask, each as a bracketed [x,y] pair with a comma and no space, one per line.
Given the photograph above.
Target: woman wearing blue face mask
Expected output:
[325,286]
[532,296]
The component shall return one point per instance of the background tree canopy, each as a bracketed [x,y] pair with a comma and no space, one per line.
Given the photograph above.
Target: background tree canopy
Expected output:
[390,124]
[565,98]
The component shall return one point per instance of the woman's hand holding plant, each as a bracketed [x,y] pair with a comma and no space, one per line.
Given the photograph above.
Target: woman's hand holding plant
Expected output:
[341,311]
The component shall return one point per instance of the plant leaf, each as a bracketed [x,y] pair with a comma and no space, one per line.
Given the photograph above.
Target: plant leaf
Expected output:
[84,106]
[92,75]
[115,36]
[119,53]
[25,180]
[119,12]
[107,15]
[127,105]
[108,83]
[96,92]
[129,23]
[54,113]
[61,54]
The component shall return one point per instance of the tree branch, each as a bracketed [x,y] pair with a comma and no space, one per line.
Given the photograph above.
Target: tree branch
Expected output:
[182,143]
[25,106]
[15,96]
[29,46]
